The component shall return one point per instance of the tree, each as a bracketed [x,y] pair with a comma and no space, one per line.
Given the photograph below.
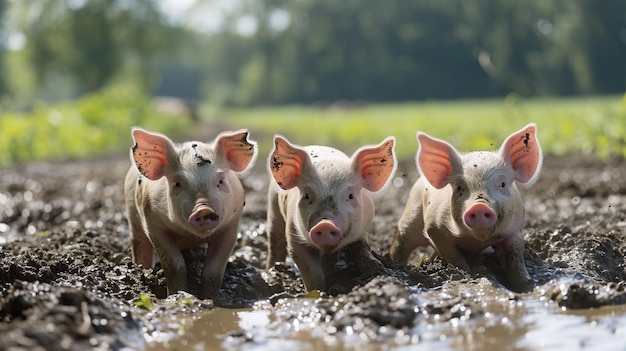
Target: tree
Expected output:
[549,47]
[3,49]
[91,42]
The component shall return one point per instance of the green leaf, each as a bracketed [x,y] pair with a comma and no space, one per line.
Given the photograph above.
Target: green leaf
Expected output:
[315,294]
[144,302]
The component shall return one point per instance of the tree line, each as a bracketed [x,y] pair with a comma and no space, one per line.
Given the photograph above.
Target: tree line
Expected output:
[305,51]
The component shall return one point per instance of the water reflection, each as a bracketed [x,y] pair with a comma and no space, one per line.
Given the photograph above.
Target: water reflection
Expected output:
[528,324]
[592,329]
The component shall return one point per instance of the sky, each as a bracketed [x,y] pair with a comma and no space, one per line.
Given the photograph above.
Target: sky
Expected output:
[175,9]
[204,16]
[207,16]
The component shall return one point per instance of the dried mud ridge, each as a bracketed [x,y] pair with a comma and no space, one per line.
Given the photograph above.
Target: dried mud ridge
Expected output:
[67,281]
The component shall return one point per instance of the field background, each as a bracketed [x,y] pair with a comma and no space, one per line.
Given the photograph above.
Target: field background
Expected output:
[75,76]
[594,126]
[100,123]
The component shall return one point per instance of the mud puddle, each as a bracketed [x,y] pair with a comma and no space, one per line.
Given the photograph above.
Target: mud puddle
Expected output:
[503,322]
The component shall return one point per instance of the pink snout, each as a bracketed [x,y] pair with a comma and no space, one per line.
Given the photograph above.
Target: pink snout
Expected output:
[203,218]
[325,234]
[480,216]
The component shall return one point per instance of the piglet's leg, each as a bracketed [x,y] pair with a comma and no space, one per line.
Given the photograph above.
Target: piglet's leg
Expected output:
[142,250]
[359,253]
[219,248]
[447,249]
[410,231]
[277,242]
[405,241]
[308,261]
[329,262]
[510,253]
[141,247]
[171,259]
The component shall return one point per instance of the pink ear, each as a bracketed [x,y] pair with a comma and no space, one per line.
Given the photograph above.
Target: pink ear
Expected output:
[286,162]
[236,149]
[437,160]
[375,164]
[522,152]
[150,153]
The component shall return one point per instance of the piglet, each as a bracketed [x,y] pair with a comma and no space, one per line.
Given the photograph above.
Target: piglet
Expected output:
[180,196]
[469,202]
[320,203]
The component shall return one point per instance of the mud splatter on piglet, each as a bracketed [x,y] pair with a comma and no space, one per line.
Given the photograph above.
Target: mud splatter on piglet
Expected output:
[468,202]
[185,200]
[320,203]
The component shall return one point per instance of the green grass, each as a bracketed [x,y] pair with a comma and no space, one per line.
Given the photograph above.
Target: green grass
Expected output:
[96,124]
[100,123]
[588,126]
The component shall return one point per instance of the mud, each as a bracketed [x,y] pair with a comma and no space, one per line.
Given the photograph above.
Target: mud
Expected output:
[67,281]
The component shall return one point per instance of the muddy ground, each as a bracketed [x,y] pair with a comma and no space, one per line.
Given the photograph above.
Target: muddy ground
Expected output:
[67,280]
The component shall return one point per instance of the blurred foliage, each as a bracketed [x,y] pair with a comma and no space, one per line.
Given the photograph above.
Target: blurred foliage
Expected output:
[396,50]
[77,47]
[262,52]
[3,72]
[352,67]
[570,126]
[94,125]
[144,302]
[99,123]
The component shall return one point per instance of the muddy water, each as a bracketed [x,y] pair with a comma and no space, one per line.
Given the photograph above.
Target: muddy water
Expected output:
[501,321]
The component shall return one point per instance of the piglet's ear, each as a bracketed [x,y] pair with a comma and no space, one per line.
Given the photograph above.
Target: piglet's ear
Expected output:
[437,160]
[522,152]
[375,164]
[151,152]
[286,163]
[236,149]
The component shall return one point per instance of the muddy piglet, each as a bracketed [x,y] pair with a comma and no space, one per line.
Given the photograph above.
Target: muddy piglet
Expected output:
[469,202]
[181,196]
[320,204]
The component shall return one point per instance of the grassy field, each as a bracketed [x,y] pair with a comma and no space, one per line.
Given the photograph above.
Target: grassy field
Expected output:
[100,123]
[591,126]
[96,124]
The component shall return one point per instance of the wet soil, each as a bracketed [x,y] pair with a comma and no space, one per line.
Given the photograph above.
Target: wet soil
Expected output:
[67,280]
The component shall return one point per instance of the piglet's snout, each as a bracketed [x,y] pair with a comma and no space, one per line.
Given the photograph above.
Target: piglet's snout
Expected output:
[326,234]
[480,216]
[203,217]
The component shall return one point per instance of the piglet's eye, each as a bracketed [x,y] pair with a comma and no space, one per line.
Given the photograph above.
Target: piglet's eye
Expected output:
[503,185]
[307,197]
[350,196]
[177,185]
